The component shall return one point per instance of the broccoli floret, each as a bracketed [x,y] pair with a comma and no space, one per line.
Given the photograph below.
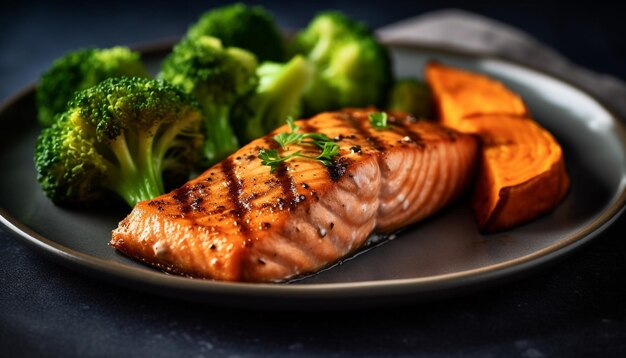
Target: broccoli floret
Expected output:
[78,70]
[277,97]
[411,96]
[217,77]
[317,40]
[248,27]
[352,68]
[122,135]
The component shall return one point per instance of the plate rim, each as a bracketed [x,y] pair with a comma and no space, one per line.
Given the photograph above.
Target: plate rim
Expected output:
[153,281]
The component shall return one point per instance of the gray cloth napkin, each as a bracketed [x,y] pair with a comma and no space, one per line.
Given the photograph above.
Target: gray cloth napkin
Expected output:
[476,33]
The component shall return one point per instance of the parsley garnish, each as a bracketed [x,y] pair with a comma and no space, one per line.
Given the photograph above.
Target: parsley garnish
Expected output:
[273,159]
[378,120]
[286,138]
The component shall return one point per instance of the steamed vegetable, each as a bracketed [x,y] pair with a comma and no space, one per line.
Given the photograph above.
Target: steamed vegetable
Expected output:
[248,27]
[217,76]
[277,97]
[226,82]
[124,136]
[352,69]
[411,96]
[78,70]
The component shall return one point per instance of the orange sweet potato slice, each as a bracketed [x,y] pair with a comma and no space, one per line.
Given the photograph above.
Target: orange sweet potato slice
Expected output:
[522,174]
[461,94]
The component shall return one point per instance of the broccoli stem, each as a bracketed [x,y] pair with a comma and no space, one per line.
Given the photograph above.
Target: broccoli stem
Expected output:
[133,178]
[286,91]
[278,95]
[148,163]
[321,49]
[168,136]
[220,140]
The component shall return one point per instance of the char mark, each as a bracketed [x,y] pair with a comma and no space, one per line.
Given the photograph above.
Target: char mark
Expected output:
[306,127]
[290,194]
[235,189]
[291,197]
[365,132]
[187,198]
[408,135]
[339,166]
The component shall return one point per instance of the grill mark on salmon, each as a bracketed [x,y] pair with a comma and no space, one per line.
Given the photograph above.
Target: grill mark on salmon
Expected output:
[235,188]
[239,222]
[401,125]
[292,197]
[365,132]
[407,134]
[338,167]
[307,128]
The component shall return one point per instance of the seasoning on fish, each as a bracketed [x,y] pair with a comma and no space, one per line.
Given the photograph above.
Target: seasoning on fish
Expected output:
[242,221]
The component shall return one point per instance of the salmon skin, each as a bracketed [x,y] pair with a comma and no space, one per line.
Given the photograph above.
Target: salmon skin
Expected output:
[240,222]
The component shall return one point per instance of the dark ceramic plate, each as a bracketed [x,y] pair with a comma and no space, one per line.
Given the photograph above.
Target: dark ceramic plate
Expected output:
[442,256]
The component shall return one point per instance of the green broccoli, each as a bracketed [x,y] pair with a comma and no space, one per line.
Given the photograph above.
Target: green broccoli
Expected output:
[277,97]
[123,135]
[248,27]
[352,68]
[217,77]
[78,70]
[411,96]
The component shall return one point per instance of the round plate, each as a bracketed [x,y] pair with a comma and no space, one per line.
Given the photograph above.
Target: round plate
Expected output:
[441,256]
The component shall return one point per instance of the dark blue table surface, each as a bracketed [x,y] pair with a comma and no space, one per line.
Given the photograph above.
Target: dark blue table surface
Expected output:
[575,307]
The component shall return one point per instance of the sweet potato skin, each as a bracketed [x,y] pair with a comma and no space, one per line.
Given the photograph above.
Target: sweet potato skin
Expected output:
[522,173]
[515,206]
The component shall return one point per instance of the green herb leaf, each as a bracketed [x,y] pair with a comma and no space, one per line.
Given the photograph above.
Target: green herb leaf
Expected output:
[286,138]
[330,150]
[273,159]
[378,120]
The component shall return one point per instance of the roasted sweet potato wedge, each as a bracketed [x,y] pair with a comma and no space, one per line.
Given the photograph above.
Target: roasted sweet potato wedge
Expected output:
[522,173]
[461,94]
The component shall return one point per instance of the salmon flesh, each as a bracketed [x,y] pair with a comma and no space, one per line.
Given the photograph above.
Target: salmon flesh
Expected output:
[240,222]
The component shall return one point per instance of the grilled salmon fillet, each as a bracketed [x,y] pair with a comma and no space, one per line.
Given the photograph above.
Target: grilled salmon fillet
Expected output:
[240,222]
